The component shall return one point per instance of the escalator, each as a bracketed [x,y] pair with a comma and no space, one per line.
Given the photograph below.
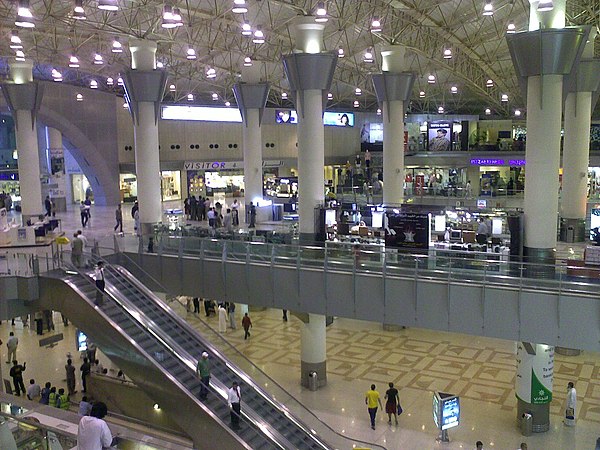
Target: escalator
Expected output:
[159,351]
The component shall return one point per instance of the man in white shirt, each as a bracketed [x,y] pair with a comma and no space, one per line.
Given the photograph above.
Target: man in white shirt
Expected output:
[234,399]
[100,282]
[93,432]
[33,390]
[12,344]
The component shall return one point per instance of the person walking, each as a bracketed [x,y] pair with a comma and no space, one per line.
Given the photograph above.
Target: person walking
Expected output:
[227,221]
[222,318]
[246,324]
[100,282]
[48,206]
[11,345]
[231,312]
[16,373]
[85,370]
[252,216]
[119,218]
[372,400]
[392,402]
[196,302]
[93,432]
[234,399]
[193,208]
[70,371]
[83,212]
[76,250]
[285,318]
[235,213]
[134,209]
[203,371]
[571,406]
[478,445]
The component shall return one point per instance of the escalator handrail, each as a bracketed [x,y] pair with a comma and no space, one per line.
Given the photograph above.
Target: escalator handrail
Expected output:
[132,342]
[235,368]
[190,362]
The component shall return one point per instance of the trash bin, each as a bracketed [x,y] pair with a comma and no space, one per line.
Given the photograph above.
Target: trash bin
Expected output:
[313,381]
[526,424]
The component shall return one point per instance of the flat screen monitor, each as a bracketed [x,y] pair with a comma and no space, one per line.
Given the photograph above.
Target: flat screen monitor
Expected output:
[289,207]
[455,235]
[504,134]
[81,341]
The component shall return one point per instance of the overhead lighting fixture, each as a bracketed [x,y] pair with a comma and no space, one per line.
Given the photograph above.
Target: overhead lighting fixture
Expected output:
[20,55]
[110,81]
[191,54]
[228,104]
[321,13]
[518,111]
[79,97]
[73,62]
[421,94]
[211,73]
[454,89]
[431,79]
[447,53]
[215,96]
[160,65]
[488,111]
[247,61]
[246,29]
[56,75]
[368,57]
[98,59]
[341,53]
[120,81]
[93,84]
[504,98]
[329,96]
[172,88]
[488,8]
[78,11]
[489,83]
[284,96]
[168,21]
[358,91]
[117,47]
[545,5]
[378,111]
[125,105]
[108,5]
[440,110]
[24,15]
[375,25]
[259,36]
[177,18]
[356,104]
[239,7]
[15,41]
[511,28]
[190,97]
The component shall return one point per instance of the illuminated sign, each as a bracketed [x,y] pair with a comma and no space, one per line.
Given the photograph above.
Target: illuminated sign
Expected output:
[446,410]
[336,119]
[497,162]
[227,165]
[200,113]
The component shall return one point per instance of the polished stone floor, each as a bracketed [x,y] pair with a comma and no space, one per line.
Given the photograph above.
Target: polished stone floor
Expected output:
[419,362]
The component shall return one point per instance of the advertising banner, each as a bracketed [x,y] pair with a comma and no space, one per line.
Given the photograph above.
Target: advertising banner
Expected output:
[535,371]
[439,135]
[407,230]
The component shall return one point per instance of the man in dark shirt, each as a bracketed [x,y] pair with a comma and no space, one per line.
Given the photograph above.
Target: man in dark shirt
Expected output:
[85,372]
[16,372]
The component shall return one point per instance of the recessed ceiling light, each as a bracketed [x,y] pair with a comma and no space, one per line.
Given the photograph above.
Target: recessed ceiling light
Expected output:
[239,7]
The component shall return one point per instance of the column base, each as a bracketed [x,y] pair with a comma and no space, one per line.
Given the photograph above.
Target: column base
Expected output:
[567,351]
[540,413]
[306,368]
[540,262]
[572,230]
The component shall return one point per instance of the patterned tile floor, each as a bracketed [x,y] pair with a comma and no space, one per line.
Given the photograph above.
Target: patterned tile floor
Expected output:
[480,370]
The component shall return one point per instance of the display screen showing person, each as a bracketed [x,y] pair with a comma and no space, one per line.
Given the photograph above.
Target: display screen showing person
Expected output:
[440,143]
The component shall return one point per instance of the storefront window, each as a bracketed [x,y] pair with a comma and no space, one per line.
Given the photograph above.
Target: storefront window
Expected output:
[171,185]
[81,188]
[128,187]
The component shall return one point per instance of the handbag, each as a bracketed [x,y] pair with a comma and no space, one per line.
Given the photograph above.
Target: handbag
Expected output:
[570,413]
[399,409]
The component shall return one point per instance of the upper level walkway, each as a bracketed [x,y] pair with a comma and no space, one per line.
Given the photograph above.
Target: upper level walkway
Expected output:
[515,301]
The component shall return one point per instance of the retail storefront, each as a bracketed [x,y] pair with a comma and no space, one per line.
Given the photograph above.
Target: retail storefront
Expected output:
[170,186]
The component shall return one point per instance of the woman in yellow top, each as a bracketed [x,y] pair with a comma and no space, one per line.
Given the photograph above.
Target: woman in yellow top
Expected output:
[372,399]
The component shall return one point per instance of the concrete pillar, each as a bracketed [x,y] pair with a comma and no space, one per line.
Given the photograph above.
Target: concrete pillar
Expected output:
[544,114]
[474,176]
[393,87]
[581,87]
[310,73]
[251,96]
[144,88]
[24,97]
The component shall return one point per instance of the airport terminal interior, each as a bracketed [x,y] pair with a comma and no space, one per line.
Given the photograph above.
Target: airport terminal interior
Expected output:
[315,197]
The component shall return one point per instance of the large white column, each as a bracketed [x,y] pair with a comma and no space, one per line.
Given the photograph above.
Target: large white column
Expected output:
[543,161]
[145,125]
[313,348]
[311,160]
[252,141]
[27,148]
[393,152]
[54,149]
[393,87]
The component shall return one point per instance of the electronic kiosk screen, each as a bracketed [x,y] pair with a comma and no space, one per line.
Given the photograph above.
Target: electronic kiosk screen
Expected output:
[446,410]
[81,339]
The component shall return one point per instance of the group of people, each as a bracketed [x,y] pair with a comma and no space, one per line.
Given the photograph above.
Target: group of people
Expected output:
[201,209]
[5,201]
[85,211]
[392,404]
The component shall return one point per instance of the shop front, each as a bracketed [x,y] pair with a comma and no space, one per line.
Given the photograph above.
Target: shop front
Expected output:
[170,186]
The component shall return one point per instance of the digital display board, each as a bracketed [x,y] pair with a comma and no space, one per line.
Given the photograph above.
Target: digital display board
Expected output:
[81,341]
[446,410]
[200,113]
[336,119]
